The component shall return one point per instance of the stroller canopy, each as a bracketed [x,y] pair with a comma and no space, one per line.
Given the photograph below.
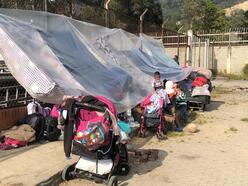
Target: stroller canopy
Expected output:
[52,55]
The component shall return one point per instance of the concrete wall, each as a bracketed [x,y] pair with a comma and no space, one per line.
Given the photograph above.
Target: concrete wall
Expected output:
[172,51]
[225,59]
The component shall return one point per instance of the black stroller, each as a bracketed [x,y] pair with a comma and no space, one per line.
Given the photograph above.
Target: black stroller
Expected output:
[103,163]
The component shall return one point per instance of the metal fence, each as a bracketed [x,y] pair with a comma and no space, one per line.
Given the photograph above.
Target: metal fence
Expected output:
[231,36]
[12,93]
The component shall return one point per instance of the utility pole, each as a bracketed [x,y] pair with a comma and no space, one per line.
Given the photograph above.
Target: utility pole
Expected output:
[107,13]
[141,20]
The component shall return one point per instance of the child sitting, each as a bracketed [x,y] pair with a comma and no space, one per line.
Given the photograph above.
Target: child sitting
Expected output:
[156,78]
[155,98]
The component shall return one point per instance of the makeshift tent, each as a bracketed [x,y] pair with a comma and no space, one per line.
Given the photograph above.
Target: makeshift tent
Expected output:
[52,55]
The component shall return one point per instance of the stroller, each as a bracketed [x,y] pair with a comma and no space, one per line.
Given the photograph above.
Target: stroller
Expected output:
[152,120]
[200,96]
[91,130]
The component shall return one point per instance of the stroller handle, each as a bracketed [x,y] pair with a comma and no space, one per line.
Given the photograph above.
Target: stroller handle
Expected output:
[89,107]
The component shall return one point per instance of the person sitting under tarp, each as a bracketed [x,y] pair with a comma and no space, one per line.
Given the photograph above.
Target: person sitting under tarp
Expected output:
[177,107]
[159,92]
[181,107]
[156,78]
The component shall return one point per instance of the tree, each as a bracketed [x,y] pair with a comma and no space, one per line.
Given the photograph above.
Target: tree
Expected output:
[238,19]
[214,18]
[171,13]
[203,15]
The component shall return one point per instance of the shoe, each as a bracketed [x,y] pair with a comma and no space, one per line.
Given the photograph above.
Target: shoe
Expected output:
[179,129]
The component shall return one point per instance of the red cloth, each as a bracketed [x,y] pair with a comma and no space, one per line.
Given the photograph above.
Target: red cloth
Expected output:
[199,82]
[10,143]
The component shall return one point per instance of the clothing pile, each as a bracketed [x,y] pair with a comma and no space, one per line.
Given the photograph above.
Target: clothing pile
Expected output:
[39,124]
[201,84]
[17,136]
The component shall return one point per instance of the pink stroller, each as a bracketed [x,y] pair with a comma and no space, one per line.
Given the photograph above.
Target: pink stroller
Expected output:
[90,129]
[152,120]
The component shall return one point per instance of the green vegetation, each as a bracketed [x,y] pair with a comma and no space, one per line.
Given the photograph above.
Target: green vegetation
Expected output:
[245,70]
[234,76]
[233,129]
[244,119]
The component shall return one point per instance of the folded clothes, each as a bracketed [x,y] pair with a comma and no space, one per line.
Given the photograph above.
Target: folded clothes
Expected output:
[199,81]
[201,91]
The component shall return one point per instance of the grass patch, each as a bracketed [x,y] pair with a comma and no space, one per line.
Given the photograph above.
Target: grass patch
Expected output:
[233,129]
[234,76]
[217,92]
[175,134]
[244,119]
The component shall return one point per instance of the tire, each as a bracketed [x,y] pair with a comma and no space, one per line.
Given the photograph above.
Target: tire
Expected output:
[123,169]
[113,181]
[203,107]
[66,174]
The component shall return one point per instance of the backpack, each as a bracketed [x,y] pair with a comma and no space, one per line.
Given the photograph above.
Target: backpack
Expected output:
[37,122]
[51,132]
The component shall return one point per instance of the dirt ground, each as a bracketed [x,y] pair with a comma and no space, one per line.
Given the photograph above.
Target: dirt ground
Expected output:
[215,156]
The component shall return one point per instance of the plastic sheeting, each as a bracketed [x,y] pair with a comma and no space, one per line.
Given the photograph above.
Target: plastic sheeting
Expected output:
[52,55]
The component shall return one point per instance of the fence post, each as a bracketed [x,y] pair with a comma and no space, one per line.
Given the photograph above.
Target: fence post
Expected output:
[107,13]
[205,66]
[162,33]
[199,57]
[229,54]
[17,92]
[141,20]
[25,97]
[7,97]
[189,47]
[72,8]
[45,5]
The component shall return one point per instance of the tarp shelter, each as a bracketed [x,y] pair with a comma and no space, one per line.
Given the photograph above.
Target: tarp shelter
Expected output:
[52,55]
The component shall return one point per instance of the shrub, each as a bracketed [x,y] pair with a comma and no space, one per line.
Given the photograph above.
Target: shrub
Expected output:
[245,70]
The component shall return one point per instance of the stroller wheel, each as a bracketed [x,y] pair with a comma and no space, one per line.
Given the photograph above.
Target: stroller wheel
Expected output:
[113,181]
[202,108]
[123,169]
[66,174]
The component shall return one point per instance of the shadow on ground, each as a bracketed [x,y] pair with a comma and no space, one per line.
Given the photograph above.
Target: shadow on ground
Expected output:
[6,154]
[142,168]
[214,105]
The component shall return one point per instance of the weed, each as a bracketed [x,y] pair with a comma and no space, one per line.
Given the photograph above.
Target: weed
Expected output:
[175,134]
[244,119]
[233,129]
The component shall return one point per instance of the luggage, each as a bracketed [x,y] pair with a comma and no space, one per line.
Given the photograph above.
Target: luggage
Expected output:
[37,122]
[51,132]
